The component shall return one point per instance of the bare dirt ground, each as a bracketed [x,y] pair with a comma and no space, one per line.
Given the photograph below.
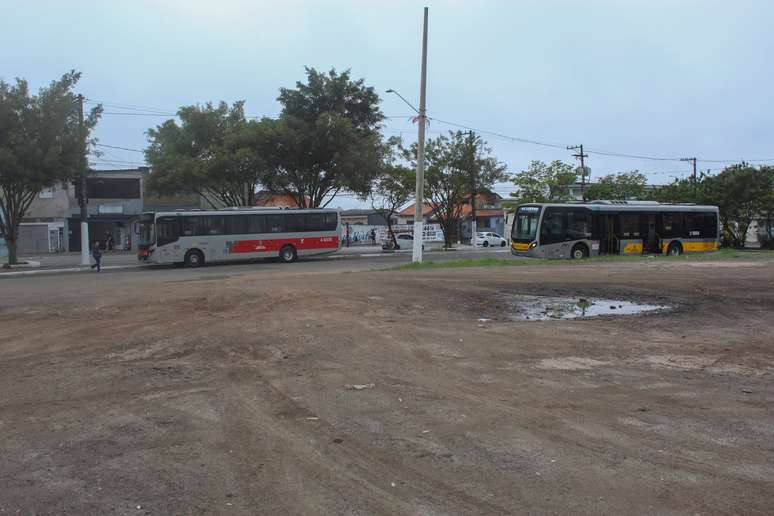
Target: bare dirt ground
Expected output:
[164,392]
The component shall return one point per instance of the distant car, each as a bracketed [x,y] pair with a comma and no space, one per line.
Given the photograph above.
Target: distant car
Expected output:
[405,241]
[489,239]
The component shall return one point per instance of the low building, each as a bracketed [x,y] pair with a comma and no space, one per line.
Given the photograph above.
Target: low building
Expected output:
[365,217]
[490,215]
[115,200]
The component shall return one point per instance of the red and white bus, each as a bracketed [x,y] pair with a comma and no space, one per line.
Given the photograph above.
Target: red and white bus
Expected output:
[196,237]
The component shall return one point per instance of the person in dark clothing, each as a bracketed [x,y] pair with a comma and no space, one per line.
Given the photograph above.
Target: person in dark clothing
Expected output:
[96,252]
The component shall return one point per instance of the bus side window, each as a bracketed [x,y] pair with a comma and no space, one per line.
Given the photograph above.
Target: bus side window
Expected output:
[579,225]
[236,224]
[710,227]
[315,222]
[554,227]
[214,225]
[274,223]
[256,224]
[673,225]
[168,230]
[191,226]
[694,224]
[331,220]
[295,222]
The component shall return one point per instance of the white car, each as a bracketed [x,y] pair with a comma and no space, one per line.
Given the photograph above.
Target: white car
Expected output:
[489,239]
[404,241]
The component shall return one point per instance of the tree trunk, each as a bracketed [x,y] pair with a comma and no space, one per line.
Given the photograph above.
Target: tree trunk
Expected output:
[12,248]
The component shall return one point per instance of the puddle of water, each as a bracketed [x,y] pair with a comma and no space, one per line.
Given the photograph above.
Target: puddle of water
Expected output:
[543,308]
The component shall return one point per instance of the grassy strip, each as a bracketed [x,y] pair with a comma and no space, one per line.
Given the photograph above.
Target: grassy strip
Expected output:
[723,254]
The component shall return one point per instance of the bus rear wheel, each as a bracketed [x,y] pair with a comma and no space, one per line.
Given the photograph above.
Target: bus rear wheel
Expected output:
[288,254]
[675,249]
[579,251]
[194,258]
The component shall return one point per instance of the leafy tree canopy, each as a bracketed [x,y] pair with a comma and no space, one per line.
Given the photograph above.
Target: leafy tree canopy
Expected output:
[41,143]
[327,139]
[393,186]
[213,152]
[456,165]
[619,187]
[543,182]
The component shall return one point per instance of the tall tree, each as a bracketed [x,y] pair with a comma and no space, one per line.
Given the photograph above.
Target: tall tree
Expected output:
[453,164]
[739,191]
[327,139]
[41,143]
[680,190]
[619,187]
[543,182]
[393,187]
[766,221]
[213,152]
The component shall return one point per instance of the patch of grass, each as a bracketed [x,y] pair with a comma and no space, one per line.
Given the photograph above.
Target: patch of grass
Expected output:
[723,254]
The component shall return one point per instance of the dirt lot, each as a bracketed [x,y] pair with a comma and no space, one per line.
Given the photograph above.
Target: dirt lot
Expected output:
[164,392]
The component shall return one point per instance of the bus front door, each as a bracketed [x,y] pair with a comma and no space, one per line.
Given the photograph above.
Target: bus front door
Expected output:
[608,231]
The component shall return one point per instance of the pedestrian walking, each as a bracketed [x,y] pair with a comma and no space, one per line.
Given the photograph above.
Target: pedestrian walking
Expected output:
[373,236]
[96,252]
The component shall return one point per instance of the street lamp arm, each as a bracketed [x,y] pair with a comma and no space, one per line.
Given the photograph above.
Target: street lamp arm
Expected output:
[404,100]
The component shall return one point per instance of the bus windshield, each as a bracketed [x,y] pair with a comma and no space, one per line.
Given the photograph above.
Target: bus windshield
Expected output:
[526,224]
[147,233]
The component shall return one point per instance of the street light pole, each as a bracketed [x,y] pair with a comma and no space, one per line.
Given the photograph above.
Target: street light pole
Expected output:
[416,256]
[83,200]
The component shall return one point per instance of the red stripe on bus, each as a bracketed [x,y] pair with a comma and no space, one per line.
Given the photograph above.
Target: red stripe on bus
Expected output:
[266,245]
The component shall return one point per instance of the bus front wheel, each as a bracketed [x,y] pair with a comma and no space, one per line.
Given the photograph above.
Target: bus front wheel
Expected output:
[288,254]
[675,249]
[194,258]
[579,252]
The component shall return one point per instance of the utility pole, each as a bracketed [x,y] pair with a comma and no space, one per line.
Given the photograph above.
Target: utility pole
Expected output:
[83,197]
[416,256]
[473,188]
[582,156]
[693,161]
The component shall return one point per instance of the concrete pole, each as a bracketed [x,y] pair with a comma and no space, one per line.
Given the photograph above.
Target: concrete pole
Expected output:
[83,200]
[418,218]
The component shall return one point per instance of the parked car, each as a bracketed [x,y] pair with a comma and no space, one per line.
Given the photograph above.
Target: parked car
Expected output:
[405,241]
[489,239]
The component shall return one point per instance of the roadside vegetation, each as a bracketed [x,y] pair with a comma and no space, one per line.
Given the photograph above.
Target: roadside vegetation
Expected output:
[723,254]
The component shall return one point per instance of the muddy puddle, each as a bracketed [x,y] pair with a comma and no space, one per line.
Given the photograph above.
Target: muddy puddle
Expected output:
[544,308]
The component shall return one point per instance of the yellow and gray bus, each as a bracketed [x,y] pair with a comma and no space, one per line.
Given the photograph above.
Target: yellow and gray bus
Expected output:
[580,230]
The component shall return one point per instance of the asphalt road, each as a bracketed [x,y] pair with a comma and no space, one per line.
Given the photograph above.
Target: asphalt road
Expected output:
[127,264]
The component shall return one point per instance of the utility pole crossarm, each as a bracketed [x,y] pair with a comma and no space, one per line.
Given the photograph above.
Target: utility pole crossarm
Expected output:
[694,179]
[582,157]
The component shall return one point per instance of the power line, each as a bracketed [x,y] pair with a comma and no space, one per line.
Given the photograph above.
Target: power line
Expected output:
[116,147]
[512,138]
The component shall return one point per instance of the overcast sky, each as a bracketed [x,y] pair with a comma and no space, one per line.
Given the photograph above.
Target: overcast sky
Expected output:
[662,78]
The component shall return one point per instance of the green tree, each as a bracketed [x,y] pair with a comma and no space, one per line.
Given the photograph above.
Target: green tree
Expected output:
[740,192]
[766,221]
[393,187]
[619,187]
[327,139]
[214,152]
[678,191]
[543,182]
[41,143]
[453,165]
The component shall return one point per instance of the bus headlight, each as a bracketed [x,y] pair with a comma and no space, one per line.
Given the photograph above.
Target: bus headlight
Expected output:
[532,245]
